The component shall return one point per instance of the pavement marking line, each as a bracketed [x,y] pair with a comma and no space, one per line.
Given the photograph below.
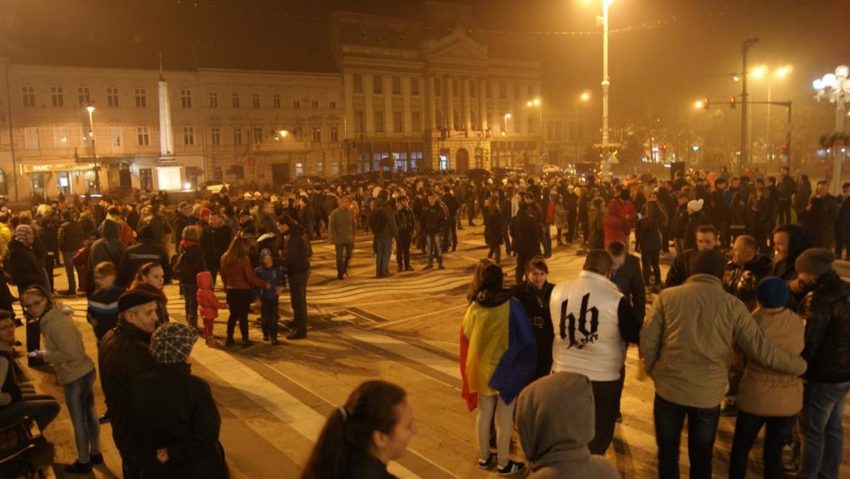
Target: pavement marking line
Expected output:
[412,456]
[417,316]
[406,350]
[292,412]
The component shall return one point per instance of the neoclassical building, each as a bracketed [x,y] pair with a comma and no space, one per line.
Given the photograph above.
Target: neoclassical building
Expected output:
[408,93]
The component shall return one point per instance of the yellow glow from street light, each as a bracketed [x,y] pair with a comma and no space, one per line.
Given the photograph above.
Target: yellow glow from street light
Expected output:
[283,133]
[90,109]
[508,116]
[585,96]
[760,71]
[537,102]
[699,104]
[783,71]
[528,103]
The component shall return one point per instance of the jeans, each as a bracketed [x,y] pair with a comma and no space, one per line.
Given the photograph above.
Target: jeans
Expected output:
[747,427]
[490,408]
[820,428]
[702,430]
[651,263]
[432,246]
[68,259]
[452,234]
[402,252]
[190,294]
[343,257]
[80,400]
[298,299]
[606,395]
[268,316]
[239,303]
[383,251]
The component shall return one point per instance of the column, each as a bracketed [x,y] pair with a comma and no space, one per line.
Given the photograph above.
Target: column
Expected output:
[369,109]
[448,91]
[388,104]
[407,112]
[432,103]
[482,102]
[467,123]
[348,91]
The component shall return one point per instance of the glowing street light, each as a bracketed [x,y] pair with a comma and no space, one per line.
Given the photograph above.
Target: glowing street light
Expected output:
[700,105]
[835,87]
[90,110]
[585,96]
[760,71]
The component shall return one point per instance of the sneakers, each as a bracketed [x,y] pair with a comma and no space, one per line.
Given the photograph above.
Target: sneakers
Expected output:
[510,469]
[487,463]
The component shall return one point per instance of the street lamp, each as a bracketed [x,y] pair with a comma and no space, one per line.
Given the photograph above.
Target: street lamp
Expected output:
[90,110]
[606,80]
[835,88]
[507,117]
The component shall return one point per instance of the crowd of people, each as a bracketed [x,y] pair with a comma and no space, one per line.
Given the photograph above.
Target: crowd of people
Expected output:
[756,320]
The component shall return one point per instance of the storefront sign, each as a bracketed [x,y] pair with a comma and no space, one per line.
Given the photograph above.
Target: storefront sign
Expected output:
[50,167]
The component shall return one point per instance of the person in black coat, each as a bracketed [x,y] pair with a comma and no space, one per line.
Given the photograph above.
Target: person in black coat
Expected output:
[526,237]
[25,270]
[70,241]
[188,263]
[147,250]
[493,228]
[215,239]
[175,417]
[819,216]
[296,264]
[534,294]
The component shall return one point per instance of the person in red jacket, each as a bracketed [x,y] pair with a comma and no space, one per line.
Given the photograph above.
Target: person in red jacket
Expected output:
[614,224]
[208,304]
[238,277]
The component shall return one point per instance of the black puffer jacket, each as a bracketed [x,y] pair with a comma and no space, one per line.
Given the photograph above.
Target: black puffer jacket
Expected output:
[827,313]
[536,304]
[23,267]
[741,281]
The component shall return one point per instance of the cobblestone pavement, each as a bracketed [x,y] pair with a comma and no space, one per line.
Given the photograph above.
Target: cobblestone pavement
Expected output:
[274,399]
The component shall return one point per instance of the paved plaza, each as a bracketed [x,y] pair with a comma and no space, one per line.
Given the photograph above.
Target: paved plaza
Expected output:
[273,400]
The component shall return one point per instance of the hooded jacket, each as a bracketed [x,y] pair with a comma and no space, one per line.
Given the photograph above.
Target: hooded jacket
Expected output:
[827,313]
[498,354]
[207,302]
[63,345]
[23,266]
[798,241]
[555,441]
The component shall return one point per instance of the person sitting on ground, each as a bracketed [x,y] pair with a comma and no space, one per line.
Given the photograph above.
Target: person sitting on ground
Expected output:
[362,436]
[556,444]
[174,415]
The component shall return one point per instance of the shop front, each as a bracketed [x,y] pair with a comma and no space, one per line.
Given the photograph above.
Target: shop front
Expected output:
[50,178]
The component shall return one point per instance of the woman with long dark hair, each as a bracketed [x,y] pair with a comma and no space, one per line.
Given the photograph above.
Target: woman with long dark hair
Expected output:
[362,436]
[238,277]
[151,277]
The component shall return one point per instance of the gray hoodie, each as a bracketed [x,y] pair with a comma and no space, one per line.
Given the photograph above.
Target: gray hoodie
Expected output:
[554,438]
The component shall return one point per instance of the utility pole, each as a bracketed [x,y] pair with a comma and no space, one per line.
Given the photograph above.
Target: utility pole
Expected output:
[748,43]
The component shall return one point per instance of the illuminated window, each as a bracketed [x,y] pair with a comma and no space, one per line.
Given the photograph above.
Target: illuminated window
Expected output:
[60,137]
[29,96]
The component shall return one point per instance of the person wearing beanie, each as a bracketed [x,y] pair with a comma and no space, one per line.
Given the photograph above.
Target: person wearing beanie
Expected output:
[686,349]
[826,311]
[174,415]
[556,444]
[768,398]
[124,354]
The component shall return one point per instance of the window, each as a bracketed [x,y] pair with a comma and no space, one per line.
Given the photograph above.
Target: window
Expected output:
[83,96]
[31,138]
[358,122]
[503,91]
[296,104]
[57,96]
[398,122]
[317,135]
[358,83]
[315,104]
[414,86]
[396,86]
[332,105]
[416,121]
[255,100]
[215,136]
[143,134]
[188,135]
[379,122]
[112,97]
[377,85]
[258,135]
[213,99]
[276,101]
[186,98]
[334,134]
[29,96]
[237,136]
[60,137]
[115,134]
[234,100]
[141,98]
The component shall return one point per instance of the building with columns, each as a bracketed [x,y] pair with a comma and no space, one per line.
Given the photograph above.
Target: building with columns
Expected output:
[433,97]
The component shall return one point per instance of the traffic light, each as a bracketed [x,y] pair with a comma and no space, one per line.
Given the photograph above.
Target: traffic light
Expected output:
[733,102]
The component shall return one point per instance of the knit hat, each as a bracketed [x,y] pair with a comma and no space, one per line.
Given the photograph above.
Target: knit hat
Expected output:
[22,231]
[695,206]
[134,297]
[172,343]
[815,261]
[772,292]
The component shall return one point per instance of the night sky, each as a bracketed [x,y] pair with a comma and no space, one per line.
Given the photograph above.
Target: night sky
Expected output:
[664,53]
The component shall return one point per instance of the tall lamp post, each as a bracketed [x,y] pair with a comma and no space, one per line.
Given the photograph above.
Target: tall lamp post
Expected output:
[835,87]
[90,110]
[606,80]
[760,72]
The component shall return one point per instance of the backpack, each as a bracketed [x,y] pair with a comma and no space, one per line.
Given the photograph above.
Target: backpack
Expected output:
[377,220]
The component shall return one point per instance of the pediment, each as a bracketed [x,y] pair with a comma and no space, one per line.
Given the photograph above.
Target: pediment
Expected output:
[457,45]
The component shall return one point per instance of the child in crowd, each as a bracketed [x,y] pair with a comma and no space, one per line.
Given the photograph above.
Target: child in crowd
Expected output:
[208,304]
[103,303]
[270,296]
